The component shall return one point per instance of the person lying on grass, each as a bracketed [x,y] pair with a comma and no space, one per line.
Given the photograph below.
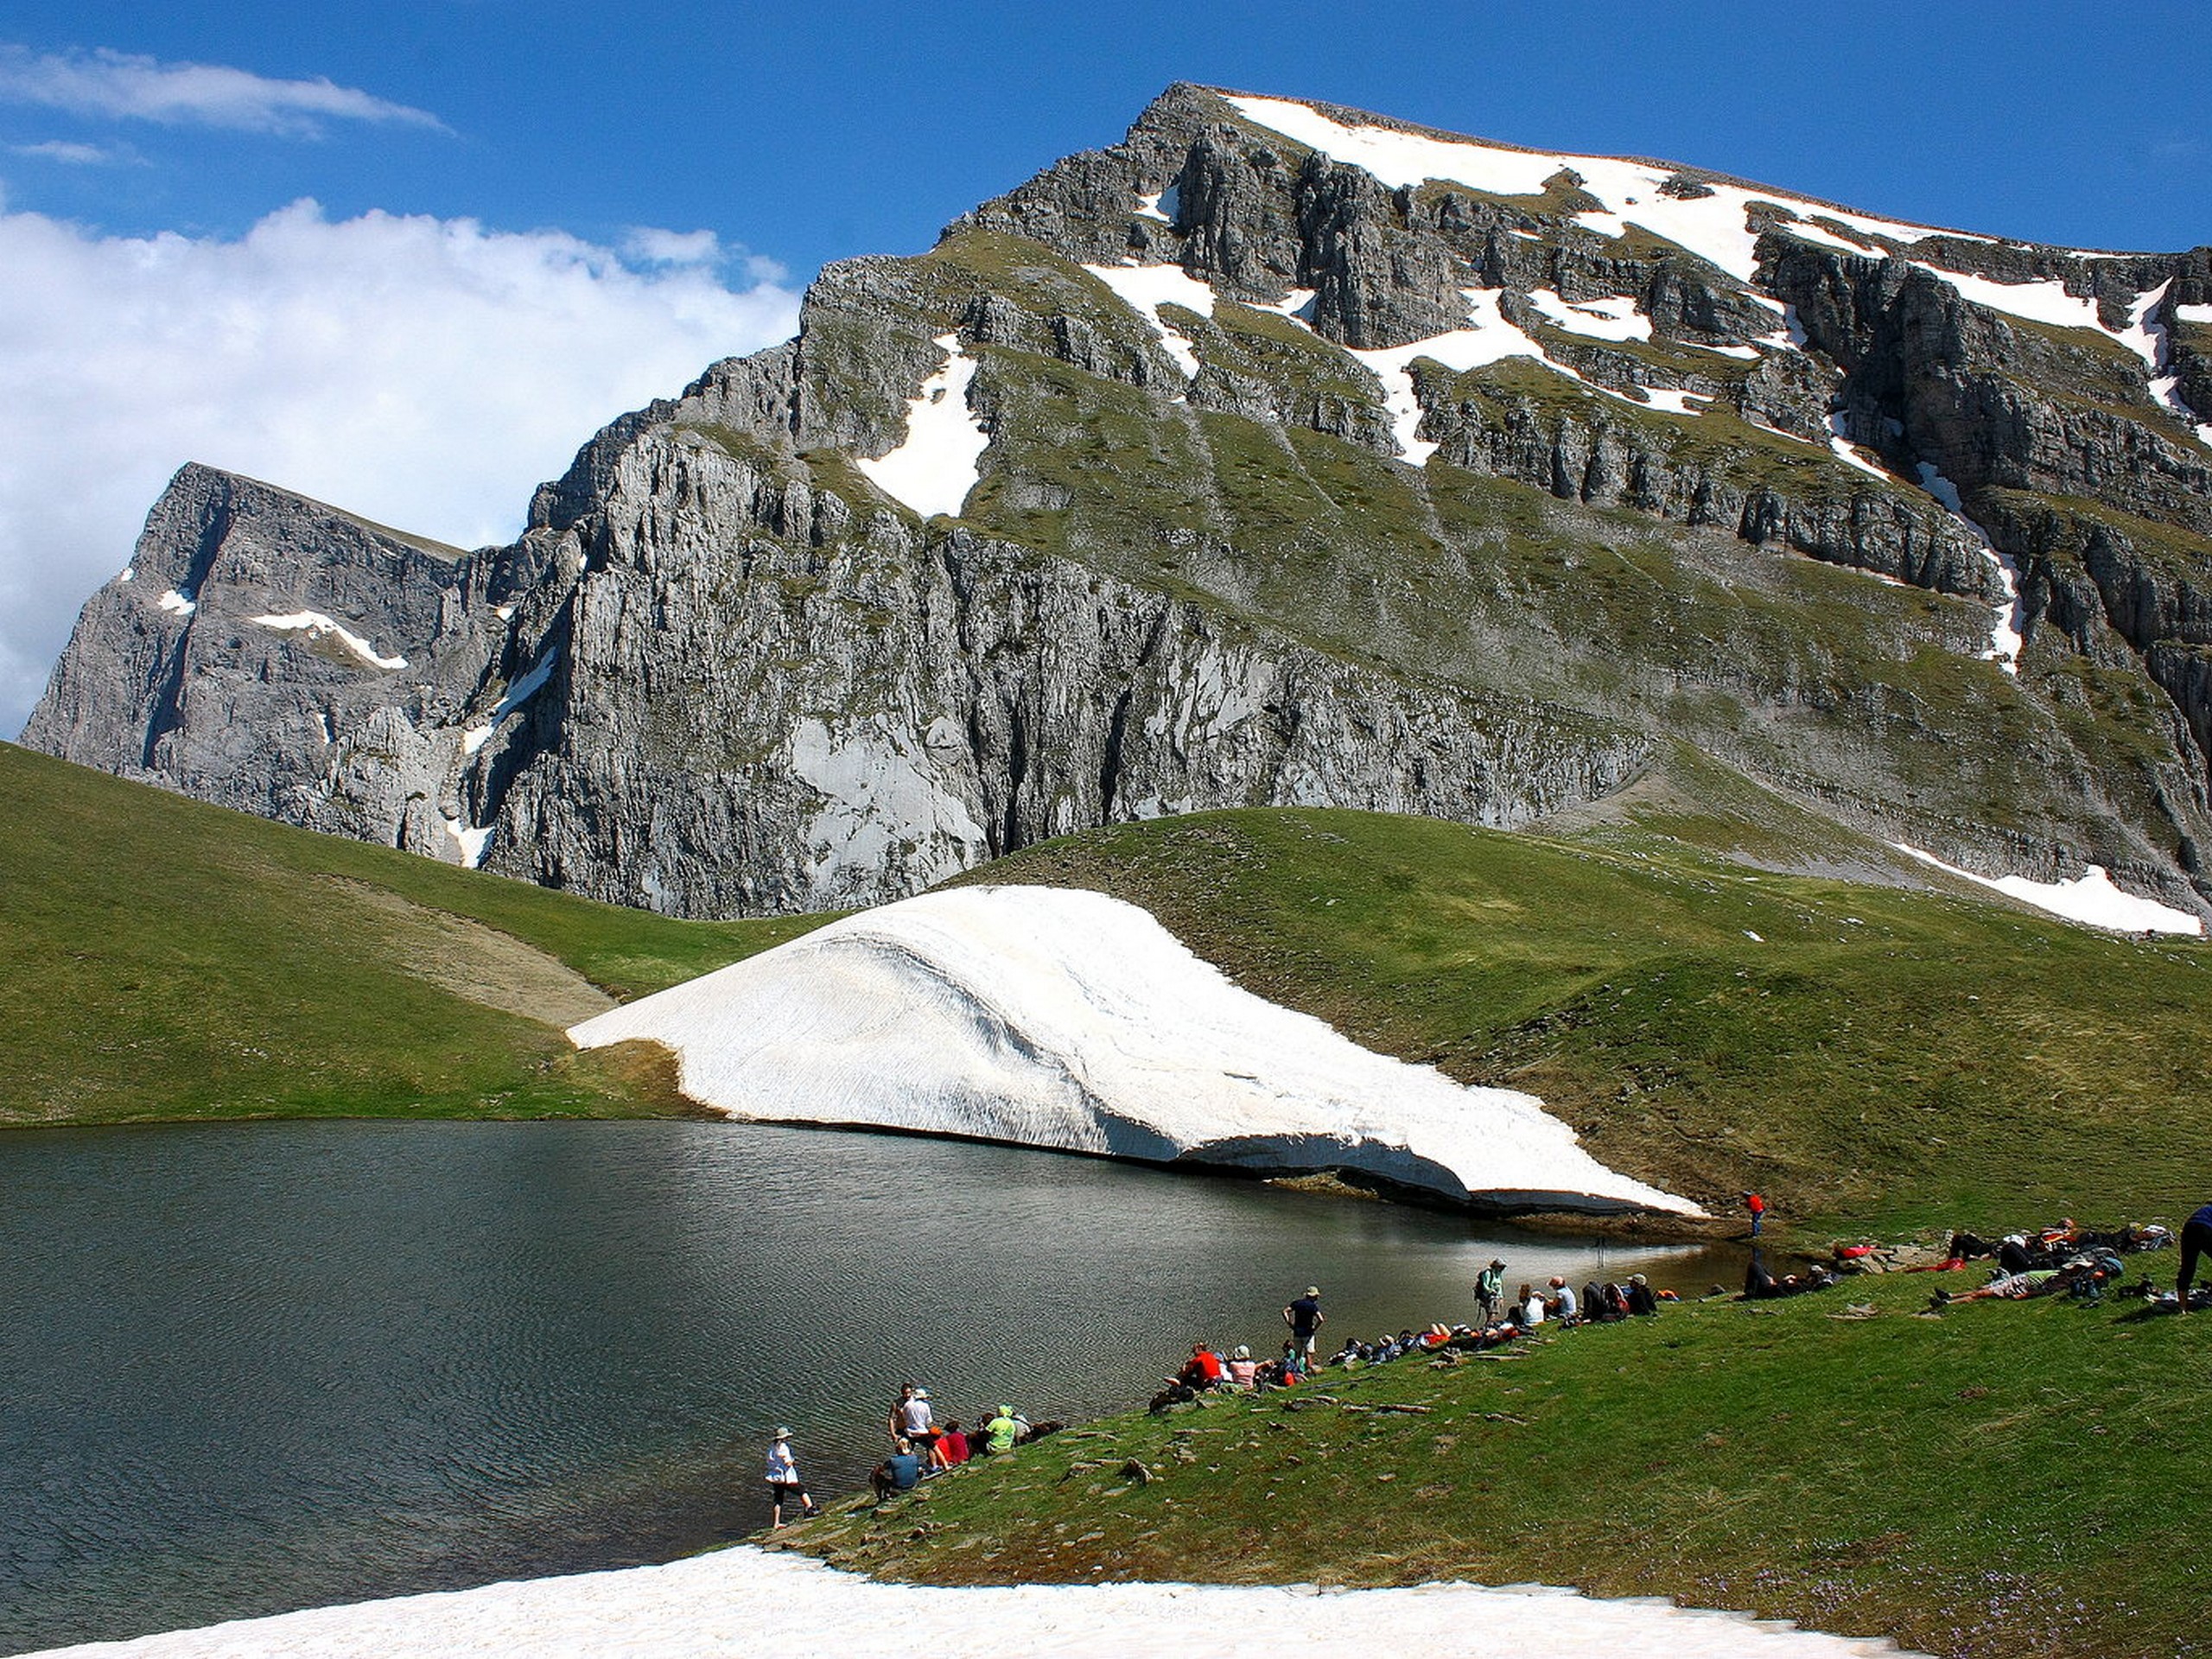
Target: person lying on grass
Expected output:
[2081,1275]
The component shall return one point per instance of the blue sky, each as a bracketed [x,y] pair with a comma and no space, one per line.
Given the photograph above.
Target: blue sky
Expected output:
[407,256]
[809,133]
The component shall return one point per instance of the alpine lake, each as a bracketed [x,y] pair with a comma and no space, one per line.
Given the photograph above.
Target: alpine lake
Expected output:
[257,1367]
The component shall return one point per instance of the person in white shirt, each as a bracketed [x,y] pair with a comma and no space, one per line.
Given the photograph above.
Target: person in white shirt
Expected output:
[1562,1300]
[915,1418]
[783,1484]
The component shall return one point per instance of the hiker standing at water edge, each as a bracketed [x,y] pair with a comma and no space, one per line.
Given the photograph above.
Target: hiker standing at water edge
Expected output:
[915,1418]
[2195,1243]
[1756,1205]
[783,1484]
[1305,1318]
[1489,1285]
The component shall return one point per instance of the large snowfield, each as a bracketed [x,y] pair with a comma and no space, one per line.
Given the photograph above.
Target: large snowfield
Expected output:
[747,1601]
[1051,1017]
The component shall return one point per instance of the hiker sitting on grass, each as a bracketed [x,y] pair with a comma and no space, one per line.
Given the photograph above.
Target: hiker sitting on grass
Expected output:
[900,1472]
[1560,1304]
[1243,1368]
[950,1450]
[1528,1310]
[1004,1431]
[1204,1369]
[1638,1297]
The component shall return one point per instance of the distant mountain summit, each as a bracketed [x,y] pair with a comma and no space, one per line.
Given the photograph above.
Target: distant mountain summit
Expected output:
[1278,454]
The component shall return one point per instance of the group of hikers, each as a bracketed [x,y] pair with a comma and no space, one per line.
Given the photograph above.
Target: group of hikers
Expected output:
[2071,1260]
[1499,1321]
[921,1447]
[2064,1258]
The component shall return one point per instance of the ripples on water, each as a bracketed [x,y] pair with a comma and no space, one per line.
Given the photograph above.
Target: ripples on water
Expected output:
[257,1367]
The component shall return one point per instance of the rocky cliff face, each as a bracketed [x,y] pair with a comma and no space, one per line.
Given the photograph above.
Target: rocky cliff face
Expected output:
[1277,454]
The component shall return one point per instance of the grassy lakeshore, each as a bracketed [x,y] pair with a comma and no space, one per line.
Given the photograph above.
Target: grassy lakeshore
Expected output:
[2005,1480]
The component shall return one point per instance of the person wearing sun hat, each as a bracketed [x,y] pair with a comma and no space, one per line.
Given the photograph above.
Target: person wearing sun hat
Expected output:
[1489,1285]
[783,1484]
[1305,1318]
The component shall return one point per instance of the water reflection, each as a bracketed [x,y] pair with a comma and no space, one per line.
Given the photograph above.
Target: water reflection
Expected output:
[258,1367]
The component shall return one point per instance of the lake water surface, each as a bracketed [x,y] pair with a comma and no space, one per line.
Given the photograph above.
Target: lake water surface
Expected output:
[255,1367]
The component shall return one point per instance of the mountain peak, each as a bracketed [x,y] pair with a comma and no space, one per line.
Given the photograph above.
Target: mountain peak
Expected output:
[1285,452]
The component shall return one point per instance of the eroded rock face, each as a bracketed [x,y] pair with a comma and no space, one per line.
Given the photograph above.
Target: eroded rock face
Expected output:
[1428,496]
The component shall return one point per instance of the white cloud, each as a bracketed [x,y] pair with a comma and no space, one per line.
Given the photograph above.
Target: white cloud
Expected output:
[426,373]
[655,247]
[76,155]
[201,94]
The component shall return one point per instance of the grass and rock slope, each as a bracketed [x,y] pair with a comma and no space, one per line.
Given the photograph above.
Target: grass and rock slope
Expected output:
[1869,1056]
[2002,1479]
[165,959]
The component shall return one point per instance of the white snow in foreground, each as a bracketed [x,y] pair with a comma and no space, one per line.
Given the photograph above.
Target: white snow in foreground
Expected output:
[182,604]
[2005,640]
[317,625]
[1056,1018]
[2090,897]
[1716,227]
[932,470]
[746,1601]
[518,694]
[1614,317]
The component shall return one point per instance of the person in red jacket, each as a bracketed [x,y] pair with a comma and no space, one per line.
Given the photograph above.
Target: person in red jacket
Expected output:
[1756,1205]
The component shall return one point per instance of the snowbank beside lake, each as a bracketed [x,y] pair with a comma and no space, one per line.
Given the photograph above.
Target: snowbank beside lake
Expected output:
[749,1601]
[1051,1017]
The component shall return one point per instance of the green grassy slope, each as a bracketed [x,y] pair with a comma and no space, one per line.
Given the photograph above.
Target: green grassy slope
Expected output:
[160,958]
[1875,1058]
[2003,1479]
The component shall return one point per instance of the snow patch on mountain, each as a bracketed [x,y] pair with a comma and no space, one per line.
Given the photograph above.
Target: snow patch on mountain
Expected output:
[1058,1017]
[1716,226]
[317,625]
[2090,897]
[518,694]
[2153,341]
[472,839]
[932,470]
[1614,317]
[1145,288]
[2004,639]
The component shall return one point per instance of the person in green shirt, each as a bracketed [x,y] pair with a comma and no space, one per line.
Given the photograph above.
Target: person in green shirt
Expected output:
[1003,1430]
[1489,1285]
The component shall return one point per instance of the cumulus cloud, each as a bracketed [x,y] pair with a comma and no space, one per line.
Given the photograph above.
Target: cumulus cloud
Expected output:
[656,247]
[126,86]
[426,373]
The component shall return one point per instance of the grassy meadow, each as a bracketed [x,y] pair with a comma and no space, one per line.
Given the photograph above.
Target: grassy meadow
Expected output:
[161,959]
